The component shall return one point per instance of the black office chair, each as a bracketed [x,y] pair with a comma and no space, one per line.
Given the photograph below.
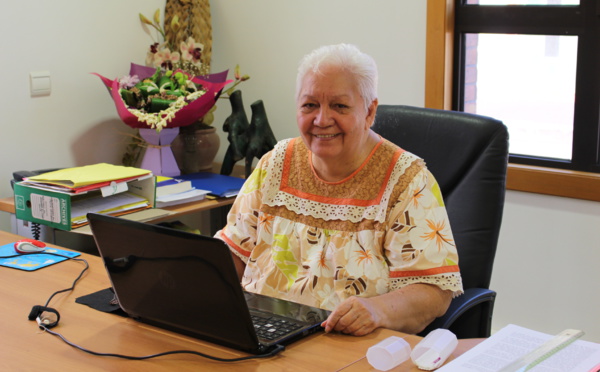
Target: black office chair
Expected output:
[468,155]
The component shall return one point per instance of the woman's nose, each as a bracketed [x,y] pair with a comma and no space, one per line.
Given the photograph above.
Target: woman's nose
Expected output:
[323,117]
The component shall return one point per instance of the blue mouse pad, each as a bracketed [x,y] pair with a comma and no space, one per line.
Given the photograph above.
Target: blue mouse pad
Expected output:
[32,261]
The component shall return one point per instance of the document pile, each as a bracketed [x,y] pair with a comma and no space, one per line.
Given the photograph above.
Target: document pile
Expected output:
[63,198]
[169,185]
[515,348]
[173,191]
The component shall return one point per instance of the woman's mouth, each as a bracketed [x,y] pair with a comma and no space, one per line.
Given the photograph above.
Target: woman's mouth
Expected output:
[325,136]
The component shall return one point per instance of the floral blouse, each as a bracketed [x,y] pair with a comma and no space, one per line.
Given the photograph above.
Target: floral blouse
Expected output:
[315,242]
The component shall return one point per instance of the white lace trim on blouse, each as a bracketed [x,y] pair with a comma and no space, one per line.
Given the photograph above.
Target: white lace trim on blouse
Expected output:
[328,212]
[448,281]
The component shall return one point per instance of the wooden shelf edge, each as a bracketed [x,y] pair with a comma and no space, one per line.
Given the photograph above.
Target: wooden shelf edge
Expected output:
[551,181]
[7,205]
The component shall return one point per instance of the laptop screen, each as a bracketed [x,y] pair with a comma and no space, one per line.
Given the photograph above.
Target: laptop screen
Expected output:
[187,283]
[176,280]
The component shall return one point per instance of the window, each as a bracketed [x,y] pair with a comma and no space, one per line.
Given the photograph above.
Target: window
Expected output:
[534,64]
[535,67]
[527,81]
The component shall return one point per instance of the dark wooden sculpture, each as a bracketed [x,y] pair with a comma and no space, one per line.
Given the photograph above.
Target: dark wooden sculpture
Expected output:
[246,140]
[236,125]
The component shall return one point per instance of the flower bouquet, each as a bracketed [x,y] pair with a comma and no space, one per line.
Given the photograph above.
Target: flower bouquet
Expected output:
[151,98]
[158,102]
[173,90]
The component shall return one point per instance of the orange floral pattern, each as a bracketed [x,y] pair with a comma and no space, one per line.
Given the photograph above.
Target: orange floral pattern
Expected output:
[319,243]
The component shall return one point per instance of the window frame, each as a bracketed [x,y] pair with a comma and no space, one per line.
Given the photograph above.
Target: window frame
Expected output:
[438,94]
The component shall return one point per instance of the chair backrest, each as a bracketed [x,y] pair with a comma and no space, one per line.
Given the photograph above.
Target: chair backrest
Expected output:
[468,155]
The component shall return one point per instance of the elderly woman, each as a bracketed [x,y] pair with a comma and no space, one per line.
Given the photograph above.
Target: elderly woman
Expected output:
[340,218]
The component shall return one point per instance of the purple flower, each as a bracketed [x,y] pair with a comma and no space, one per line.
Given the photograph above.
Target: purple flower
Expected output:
[128,81]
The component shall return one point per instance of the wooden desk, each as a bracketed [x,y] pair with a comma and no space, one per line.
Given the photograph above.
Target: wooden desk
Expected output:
[24,347]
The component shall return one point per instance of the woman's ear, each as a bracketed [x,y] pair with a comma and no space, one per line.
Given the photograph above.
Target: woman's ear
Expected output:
[372,110]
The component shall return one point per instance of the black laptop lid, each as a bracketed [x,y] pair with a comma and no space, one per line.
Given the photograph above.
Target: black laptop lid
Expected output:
[176,280]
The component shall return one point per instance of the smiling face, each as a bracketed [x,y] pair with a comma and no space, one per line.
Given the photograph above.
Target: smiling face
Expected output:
[333,120]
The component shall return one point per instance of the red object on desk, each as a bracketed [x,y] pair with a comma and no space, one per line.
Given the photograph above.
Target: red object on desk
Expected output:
[24,246]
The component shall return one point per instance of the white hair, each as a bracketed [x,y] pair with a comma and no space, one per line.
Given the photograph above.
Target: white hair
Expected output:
[346,57]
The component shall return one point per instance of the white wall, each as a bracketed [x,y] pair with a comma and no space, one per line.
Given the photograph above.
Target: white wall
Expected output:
[547,243]
[546,269]
[77,123]
[268,37]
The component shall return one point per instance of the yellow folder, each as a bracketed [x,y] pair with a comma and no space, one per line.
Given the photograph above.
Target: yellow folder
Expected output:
[88,175]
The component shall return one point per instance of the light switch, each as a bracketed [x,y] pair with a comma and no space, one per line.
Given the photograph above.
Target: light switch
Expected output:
[40,83]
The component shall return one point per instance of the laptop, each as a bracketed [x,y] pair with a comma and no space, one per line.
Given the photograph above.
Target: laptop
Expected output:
[187,283]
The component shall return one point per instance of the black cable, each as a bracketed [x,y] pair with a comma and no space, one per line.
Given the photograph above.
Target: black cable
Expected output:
[36,230]
[87,266]
[276,350]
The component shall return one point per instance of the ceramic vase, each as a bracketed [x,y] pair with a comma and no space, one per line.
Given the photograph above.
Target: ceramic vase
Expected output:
[195,148]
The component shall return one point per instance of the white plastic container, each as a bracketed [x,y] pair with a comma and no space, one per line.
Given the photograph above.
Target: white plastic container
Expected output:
[388,353]
[434,349]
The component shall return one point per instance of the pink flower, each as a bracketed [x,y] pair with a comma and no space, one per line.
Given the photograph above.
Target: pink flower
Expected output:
[151,54]
[191,50]
[165,58]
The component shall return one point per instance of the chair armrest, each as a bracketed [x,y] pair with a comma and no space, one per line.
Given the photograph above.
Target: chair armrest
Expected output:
[461,304]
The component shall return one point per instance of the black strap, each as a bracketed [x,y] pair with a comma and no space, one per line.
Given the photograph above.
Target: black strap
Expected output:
[36,314]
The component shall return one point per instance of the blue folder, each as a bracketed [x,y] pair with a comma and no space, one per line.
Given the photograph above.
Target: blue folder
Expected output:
[216,184]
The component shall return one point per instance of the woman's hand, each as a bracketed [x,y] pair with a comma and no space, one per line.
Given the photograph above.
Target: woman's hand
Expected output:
[356,316]
[408,309]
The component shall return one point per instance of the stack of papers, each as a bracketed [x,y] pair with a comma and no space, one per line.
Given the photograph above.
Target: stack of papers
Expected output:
[513,342]
[87,178]
[180,198]
[114,205]
[173,191]
[169,185]
[67,195]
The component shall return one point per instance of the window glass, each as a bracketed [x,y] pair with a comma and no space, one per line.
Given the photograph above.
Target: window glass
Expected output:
[522,2]
[528,82]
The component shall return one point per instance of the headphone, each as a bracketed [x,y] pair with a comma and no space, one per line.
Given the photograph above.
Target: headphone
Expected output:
[46,317]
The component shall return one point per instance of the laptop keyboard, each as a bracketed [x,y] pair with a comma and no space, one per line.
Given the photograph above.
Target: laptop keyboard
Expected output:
[271,328]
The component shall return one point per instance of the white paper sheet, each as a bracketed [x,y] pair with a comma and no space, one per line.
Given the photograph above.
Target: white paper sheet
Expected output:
[513,342]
